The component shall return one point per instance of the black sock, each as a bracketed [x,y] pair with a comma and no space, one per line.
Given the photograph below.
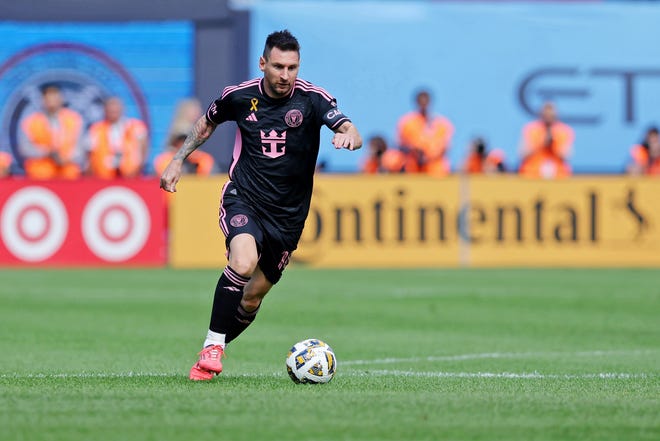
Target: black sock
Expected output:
[228,295]
[241,320]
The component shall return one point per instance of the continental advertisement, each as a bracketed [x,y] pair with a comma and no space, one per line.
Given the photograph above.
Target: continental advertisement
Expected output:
[416,221]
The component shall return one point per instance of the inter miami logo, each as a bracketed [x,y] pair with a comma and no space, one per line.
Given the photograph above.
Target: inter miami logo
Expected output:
[272,144]
[293,118]
[239,220]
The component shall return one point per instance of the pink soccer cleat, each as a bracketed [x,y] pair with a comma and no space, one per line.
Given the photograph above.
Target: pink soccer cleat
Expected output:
[199,374]
[209,358]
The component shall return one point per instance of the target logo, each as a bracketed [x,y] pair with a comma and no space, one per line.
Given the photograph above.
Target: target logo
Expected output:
[116,224]
[84,223]
[34,223]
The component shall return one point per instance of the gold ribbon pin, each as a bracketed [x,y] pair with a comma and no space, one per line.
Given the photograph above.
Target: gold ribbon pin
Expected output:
[253,107]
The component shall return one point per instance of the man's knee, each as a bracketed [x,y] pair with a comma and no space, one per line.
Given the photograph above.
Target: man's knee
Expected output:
[243,255]
[243,264]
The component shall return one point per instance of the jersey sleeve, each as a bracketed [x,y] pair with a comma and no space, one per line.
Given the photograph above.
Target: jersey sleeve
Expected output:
[331,116]
[220,110]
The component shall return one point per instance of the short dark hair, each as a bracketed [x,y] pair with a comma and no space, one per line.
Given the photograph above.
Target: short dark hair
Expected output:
[49,87]
[283,40]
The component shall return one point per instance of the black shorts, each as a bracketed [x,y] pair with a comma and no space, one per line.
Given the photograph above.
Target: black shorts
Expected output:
[238,217]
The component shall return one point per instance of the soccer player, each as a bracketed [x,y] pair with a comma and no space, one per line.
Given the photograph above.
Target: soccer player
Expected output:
[266,200]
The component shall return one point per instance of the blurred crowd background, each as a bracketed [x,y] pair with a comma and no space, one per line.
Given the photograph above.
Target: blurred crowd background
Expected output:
[541,88]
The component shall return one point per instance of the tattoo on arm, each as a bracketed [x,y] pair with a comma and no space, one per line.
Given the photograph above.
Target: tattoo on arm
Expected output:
[200,132]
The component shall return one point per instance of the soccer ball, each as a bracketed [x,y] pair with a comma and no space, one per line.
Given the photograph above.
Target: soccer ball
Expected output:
[311,361]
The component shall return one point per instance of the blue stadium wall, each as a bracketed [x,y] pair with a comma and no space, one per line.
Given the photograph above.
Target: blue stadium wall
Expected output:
[152,54]
[489,65]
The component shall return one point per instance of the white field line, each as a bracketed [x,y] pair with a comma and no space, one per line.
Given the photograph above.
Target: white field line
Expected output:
[438,374]
[494,355]
[513,375]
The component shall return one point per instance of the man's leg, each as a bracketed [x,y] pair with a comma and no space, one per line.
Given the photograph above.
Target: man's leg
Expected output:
[253,293]
[229,317]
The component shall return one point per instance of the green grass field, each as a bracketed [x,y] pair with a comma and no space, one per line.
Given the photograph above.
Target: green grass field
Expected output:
[423,355]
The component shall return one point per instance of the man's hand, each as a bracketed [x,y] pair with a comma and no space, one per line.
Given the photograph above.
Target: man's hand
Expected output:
[171,175]
[197,136]
[344,141]
[347,137]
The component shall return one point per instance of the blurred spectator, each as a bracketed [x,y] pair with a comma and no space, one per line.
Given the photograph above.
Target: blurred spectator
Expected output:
[198,162]
[187,112]
[376,146]
[116,145]
[50,139]
[480,160]
[425,137]
[383,159]
[5,164]
[546,145]
[646,156]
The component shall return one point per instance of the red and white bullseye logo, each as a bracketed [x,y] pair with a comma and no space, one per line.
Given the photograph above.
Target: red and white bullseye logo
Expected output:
[116,224]
[34,224]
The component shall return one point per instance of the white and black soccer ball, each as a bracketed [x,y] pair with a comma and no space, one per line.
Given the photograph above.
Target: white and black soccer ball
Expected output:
[311,361]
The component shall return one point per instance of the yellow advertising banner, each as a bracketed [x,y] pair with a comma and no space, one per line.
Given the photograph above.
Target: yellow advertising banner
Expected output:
[196,240]
[417,221]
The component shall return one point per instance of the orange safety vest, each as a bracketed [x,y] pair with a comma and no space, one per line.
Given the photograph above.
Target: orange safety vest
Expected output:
[430,137]
[535,133]
[476,163]
[544,164]
[371,165]
[102,155]
[640,156]
[63,141]
[544,161]
[203,162]
[5,162]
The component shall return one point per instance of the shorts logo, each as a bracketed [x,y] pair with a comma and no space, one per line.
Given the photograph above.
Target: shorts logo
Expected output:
[240,220]
[293,118]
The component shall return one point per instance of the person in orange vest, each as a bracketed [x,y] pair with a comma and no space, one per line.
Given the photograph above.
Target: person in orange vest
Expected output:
[198,162]
[50,140]
[482,161]
[646,155]
[383,159]
[116,145]
[5,164]
[546,146]
[425,137]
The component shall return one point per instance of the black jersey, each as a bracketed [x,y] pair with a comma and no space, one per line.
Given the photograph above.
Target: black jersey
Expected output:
[277,146]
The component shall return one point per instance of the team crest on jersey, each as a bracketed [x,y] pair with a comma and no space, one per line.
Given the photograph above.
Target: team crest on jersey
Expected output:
[272,144]
[239,220]
[293,118]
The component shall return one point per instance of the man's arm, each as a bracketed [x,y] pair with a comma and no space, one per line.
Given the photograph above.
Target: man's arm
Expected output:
[347,136]
[200,132]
